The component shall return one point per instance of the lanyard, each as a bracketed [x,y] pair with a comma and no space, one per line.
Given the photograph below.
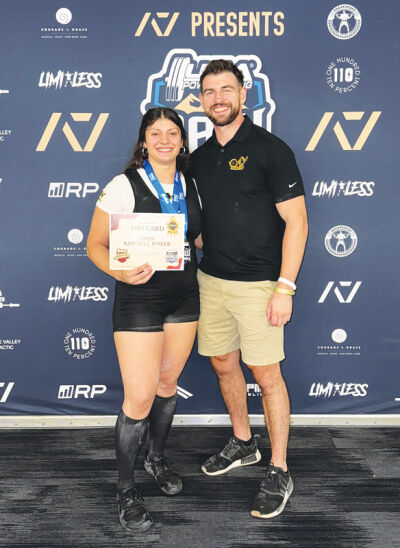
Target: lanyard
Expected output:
[178,204]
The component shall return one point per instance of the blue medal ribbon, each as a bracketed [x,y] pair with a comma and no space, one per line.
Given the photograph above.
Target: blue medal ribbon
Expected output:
[178,204]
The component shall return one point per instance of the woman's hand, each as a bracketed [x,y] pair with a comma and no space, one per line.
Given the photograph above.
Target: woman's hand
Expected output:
[136,276]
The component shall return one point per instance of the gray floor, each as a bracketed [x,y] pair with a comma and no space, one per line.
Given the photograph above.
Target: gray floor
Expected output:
[57,489]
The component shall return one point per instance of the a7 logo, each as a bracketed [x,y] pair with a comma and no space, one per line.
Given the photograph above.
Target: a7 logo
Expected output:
[69,134]
[338,130]
[338,292]
[6,391]
[154,24]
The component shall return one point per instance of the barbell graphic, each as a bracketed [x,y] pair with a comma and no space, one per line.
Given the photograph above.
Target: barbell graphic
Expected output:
[178,78]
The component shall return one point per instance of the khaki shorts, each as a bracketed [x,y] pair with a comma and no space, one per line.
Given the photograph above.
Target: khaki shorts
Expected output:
[234,315]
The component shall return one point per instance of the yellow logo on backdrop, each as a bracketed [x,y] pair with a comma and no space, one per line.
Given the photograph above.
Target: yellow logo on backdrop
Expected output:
[154,24]
[218,23]
[241,23]
[238,165]
[340,134]
[69,134]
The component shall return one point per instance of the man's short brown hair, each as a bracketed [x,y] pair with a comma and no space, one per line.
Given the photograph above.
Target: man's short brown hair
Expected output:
[216,66]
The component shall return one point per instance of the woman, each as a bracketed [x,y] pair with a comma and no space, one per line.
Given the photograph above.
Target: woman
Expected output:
[155,313]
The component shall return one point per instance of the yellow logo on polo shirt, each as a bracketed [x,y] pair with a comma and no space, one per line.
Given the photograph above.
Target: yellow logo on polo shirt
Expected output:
[238,165]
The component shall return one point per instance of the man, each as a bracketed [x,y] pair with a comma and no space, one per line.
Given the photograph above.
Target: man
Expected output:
[254,234]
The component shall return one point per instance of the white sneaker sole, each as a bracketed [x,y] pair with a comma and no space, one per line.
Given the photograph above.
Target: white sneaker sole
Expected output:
[236,464]
[280,509]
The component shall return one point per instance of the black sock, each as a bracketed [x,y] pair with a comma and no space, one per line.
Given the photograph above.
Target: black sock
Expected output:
[245,443]
[129,437]
[160,419]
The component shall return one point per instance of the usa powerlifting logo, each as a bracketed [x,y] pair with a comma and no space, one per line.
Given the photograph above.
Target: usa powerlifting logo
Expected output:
[177,86]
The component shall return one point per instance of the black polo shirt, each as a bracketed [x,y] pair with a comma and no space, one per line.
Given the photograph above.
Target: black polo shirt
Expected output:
[239,184]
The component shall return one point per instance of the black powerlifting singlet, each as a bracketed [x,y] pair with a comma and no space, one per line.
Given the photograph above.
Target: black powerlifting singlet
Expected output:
[146,202]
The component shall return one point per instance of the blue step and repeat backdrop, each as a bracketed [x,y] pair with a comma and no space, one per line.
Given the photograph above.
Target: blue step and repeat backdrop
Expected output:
[75,79]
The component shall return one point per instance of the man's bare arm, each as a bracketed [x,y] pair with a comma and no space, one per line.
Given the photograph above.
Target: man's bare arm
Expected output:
[294,213]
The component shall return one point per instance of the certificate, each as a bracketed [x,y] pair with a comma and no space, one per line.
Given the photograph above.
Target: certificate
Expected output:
[153,238]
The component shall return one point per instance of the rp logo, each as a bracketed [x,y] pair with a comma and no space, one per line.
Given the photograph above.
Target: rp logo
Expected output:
[154,24]
[69,134]
[177,86]
[338,130]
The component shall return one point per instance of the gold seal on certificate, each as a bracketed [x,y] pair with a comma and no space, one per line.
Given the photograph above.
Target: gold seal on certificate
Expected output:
[154,238]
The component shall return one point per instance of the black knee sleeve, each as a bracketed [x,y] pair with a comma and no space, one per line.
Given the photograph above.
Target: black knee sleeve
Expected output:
[130,435]
[160,419]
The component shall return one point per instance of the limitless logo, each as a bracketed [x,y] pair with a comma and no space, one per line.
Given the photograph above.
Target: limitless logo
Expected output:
[338,293]
[159,15]
[69,391]
[338,130]
[336,189]
[70,294]
[6,391]
[69,134]
[338,389]
[70,79]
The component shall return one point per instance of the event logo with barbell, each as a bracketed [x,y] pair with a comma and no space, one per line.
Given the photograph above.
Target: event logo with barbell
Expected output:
[177,85]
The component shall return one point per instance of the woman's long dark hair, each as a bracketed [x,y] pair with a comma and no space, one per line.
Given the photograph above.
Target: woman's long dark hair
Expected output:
[137,159]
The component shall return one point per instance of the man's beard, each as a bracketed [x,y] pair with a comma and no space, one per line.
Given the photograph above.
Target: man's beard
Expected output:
[223,122]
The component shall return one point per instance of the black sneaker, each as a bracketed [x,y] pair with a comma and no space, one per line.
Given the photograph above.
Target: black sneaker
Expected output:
[234,454]
[167,479]
[273,494]
[132,514]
